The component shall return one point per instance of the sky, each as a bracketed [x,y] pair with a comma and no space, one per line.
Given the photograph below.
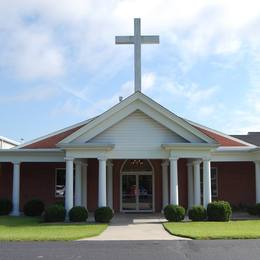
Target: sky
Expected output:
[59,64]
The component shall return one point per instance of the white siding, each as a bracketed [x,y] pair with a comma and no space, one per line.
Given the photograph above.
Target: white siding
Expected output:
[137,131]
[5,145]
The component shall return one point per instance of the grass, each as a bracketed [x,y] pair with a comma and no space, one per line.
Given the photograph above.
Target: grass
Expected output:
[240,229]
[32,229]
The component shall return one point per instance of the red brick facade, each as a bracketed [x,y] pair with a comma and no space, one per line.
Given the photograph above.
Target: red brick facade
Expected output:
[235,181]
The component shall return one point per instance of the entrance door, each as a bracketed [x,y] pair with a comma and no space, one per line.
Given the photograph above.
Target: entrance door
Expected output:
[137,192]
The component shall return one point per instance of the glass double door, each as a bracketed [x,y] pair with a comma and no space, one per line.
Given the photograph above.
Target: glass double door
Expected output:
[137,192]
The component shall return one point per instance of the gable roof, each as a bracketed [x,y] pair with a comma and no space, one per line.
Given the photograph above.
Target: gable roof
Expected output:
[139,101]
[70,133]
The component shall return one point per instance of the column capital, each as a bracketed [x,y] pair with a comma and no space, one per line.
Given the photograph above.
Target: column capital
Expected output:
[206,159]
[16,162]
[102,158]
[174,158]
[69,159]
[197,162]
[78,162]
[165,163]
[109,163]
[257,161]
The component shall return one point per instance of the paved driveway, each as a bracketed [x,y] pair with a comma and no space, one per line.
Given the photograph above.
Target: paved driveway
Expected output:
[136,227]
[129,250]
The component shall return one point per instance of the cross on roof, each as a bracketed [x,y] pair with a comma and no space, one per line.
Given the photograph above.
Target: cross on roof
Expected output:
[137,40]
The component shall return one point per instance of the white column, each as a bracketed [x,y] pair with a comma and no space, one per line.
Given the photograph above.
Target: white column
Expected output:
[69,184]
[190,185]
[102,198]
[165,190]
[84,183]
[78,180]
[174,195]
[16,189]
[257,181]
[110,184]
[206,182]
[196,165]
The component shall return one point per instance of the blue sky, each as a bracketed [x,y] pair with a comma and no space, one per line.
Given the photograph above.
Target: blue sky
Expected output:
[59,64]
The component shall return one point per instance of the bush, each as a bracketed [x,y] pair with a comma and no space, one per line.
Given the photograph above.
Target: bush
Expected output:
[78,214]
[54,213]
[254,210]
[34,207]
[103,214]
[174,213]
[219,211]
[6,206]
[197,213]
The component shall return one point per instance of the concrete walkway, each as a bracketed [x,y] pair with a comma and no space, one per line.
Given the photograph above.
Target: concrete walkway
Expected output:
[135,227]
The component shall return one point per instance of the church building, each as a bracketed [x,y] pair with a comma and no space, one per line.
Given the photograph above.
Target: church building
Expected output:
[135,157]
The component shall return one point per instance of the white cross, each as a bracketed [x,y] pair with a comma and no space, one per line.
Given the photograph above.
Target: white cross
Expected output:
[137,40]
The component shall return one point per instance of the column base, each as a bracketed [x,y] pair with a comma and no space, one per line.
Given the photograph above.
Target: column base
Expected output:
[15,214]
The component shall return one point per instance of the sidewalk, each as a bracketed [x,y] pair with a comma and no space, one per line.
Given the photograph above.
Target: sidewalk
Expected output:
[135,227]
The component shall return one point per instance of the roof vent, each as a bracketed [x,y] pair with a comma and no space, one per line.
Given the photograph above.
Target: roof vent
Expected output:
[120,99]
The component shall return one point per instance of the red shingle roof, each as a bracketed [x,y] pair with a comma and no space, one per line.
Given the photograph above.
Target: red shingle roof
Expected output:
[50,142]
[220,139]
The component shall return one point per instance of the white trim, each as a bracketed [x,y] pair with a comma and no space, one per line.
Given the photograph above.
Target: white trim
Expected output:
[9,141]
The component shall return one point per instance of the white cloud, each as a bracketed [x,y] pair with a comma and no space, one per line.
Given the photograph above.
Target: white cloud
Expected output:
[35,94]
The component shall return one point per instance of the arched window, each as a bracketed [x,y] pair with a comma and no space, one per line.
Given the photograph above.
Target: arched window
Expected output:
[137,165]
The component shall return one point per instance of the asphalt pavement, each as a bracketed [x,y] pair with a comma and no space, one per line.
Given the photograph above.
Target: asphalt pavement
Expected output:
[129,250]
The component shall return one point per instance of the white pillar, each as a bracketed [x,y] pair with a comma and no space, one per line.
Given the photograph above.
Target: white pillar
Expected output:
[84,185]
[110,184]
[69,184]
[165,190]
[190,185]
[174,195]
[102,198]
[78,180]
[196,165]
[257,181]
[206,182]
[16,189]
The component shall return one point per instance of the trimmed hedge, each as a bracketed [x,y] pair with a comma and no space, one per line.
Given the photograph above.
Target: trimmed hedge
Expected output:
[6,206]
[104,214]
[78,214]
[197,213]
[174,213]
[219,211]
[33,208]
[54,213]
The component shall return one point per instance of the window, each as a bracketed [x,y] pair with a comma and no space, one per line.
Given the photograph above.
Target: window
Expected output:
[214,183]
[60,183]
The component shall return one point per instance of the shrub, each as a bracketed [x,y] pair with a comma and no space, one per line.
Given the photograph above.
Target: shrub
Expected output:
[197,213]
[54,213]
[254,210]
[174,213]
[78,214]
[34,207]
[219,211]
[103,214]
[6,206]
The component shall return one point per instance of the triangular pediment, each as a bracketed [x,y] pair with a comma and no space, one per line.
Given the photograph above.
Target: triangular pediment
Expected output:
[138,117]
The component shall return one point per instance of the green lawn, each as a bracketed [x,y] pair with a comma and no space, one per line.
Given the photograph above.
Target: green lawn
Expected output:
[32,229]
[215,230]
